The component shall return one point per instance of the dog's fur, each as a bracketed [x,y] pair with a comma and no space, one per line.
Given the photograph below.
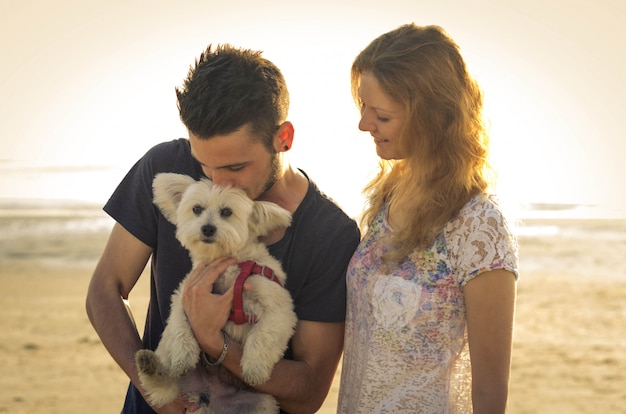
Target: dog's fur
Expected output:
[212,222]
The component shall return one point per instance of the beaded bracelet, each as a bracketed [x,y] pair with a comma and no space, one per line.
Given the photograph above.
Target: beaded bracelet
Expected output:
[206,358]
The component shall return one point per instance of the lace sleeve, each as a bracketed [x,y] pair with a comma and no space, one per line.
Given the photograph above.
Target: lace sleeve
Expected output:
[480,240]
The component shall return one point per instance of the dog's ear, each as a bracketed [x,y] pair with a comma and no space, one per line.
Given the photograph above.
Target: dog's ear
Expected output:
[267,216]
[167,190]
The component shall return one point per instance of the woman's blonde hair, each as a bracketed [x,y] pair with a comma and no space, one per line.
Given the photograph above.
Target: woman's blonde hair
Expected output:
[444,134]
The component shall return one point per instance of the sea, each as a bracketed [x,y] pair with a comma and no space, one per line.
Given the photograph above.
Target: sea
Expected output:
[27,218]
[553,239]
[52,233]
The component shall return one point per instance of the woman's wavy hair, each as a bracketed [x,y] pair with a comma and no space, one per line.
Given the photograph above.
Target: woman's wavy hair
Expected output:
[421,67]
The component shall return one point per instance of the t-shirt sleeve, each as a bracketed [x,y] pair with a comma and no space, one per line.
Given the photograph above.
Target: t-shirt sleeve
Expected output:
[131,203]
[482,241]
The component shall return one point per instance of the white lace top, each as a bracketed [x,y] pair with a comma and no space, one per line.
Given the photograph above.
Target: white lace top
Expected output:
[406,344]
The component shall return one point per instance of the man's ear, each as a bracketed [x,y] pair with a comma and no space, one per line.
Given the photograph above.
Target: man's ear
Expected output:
[168,190]
[284,137]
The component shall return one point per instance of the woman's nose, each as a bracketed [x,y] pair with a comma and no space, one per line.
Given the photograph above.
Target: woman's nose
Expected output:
[365,124]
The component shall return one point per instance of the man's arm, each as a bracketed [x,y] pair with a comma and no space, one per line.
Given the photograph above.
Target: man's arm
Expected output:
[317,348]
[300,385]
[119,268]
[122,262]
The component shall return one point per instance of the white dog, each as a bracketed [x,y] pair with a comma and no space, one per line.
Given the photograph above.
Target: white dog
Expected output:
[211,222]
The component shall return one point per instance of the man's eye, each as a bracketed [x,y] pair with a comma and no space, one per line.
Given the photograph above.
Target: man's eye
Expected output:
[197,210]
[236,168]
[226,212]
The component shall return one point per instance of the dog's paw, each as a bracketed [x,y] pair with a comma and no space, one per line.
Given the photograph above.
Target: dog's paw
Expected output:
[148,363]
[160,388]
[255,372]
[260,354]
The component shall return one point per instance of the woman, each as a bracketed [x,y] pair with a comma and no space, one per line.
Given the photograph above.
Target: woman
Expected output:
[431,287]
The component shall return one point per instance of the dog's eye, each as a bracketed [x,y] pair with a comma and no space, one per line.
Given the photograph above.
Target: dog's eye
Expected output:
[197,209]
[226,212]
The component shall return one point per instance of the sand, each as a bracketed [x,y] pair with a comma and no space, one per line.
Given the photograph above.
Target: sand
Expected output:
[569,338]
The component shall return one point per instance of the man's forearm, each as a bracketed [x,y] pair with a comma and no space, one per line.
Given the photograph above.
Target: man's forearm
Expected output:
[292,382]
[116,330]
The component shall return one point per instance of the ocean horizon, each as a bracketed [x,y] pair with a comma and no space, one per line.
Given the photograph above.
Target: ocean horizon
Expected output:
[553,238]
[19,207]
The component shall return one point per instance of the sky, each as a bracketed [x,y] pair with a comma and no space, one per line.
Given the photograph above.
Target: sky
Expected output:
[87,88]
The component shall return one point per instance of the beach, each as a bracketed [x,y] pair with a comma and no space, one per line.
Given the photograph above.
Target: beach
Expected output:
[569,337]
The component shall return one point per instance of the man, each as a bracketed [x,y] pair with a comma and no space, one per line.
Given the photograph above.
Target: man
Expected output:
[234,104]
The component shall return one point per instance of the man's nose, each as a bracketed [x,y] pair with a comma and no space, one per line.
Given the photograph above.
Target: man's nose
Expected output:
[223,179]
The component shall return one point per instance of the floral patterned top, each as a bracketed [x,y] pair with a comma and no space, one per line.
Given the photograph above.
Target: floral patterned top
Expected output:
[406,348]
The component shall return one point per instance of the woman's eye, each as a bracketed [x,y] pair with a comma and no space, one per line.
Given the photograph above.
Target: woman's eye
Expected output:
[226,212]
[197,210]
[382,119]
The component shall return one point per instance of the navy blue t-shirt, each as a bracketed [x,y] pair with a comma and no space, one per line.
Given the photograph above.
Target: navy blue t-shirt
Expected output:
[314,252]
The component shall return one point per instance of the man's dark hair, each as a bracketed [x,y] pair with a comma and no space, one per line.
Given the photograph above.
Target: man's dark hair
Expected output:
[230,87]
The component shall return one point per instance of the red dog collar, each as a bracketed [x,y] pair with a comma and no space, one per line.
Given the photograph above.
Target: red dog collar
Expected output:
[247,269]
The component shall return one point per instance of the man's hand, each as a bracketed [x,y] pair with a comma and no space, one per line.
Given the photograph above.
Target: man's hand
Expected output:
[208,312]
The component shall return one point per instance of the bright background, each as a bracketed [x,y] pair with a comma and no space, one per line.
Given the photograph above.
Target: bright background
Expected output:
[88,86]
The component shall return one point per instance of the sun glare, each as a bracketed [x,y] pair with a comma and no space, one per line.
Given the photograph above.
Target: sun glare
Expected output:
[104,97]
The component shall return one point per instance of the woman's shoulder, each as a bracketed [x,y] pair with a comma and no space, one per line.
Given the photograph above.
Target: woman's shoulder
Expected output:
[482,205]
[480,237]
[484,209]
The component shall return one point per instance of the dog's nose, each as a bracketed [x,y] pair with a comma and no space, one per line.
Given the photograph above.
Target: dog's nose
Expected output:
[208,230]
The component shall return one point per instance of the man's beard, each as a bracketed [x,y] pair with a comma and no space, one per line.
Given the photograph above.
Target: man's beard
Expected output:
[273,175]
